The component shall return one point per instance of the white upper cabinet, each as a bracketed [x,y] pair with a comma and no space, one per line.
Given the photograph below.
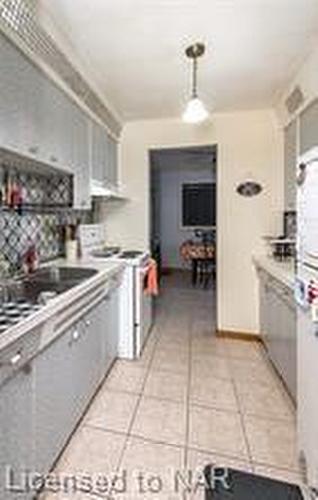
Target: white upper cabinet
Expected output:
[16,93]
[113,162]
[290,154]
[104,168]
[38,120]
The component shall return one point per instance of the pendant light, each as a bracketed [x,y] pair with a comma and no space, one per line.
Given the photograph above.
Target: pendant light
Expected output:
[195,111]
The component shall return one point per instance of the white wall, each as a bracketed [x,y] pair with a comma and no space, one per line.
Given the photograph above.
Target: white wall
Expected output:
[247,142]
[171,233]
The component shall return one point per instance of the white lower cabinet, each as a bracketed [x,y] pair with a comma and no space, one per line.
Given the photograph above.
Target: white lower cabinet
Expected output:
[16,435]
[109,331]
[55,400]
[42,402]
[278,323]
[67,375]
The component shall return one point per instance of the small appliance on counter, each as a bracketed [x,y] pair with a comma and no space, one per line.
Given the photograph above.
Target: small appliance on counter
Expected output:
[283,247]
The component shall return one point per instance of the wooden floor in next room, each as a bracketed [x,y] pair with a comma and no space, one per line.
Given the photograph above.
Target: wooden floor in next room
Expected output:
[192,399]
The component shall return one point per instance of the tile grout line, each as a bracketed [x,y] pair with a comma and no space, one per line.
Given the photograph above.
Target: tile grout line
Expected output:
[187,436]
[242,421]
[140,395]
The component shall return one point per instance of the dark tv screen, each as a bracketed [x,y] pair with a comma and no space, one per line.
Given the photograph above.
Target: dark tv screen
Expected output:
[199,205]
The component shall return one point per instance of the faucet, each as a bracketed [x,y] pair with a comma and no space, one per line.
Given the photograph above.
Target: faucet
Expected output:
[30,259]
[4,293]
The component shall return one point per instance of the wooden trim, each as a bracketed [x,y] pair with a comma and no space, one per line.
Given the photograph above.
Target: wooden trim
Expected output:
[234,335]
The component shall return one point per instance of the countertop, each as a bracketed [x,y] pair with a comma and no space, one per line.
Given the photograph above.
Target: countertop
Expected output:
[282,271]
[106,270]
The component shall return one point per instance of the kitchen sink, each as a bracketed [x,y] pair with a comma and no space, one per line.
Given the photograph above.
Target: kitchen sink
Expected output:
[47,282]
[54,274]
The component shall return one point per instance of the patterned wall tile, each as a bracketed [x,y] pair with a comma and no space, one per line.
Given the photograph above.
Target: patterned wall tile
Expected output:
[40,220]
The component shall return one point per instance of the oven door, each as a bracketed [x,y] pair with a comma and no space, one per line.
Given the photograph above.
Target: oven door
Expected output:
[143,309]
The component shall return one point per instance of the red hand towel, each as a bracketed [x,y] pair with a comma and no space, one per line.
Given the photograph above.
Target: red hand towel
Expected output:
[152,287]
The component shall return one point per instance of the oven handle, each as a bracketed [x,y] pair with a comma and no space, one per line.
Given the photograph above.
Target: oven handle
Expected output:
[144,271]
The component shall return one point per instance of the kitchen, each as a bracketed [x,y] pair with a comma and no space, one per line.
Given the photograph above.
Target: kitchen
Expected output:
[75,141]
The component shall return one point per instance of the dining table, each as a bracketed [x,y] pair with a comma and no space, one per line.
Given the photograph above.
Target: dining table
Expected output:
[197,253]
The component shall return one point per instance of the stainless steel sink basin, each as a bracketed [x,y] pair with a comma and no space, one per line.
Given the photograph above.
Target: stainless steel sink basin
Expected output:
[61,274]
[48,279]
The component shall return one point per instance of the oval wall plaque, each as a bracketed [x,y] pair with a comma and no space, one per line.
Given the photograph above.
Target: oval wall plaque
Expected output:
[249,189]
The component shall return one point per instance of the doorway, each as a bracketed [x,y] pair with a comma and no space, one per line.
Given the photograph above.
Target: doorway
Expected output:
[183,220]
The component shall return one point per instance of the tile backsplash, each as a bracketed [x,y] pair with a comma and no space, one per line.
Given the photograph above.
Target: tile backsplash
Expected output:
[39,218]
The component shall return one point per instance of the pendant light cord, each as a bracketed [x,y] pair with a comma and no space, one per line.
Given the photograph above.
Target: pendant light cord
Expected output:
[195,77]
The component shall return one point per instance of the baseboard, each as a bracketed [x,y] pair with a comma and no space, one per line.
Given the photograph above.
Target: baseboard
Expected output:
[235,335]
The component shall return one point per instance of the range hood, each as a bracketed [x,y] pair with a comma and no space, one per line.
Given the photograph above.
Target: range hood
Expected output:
[99,190]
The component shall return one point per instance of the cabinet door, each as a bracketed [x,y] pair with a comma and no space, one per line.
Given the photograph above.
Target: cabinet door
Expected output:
[108,327]
[272,337]
[113,325]
[11,95]
[88,357]
[16,431]
[112,162]
[56,407]
[290,160]
[289,343]
[79,140]
[99,153]
[263,292]
[308,124]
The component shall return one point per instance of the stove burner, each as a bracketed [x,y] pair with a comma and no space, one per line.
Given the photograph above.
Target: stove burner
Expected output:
[105,253]
[130,254]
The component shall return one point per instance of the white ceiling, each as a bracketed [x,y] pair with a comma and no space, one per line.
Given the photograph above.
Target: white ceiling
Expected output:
[137,49]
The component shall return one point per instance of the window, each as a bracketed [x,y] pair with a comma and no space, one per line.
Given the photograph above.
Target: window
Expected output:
[199,205]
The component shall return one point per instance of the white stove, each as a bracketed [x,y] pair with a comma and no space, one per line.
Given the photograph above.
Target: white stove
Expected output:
[135,304]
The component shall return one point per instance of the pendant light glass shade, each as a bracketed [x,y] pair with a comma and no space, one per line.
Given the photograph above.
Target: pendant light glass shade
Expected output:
[195,111]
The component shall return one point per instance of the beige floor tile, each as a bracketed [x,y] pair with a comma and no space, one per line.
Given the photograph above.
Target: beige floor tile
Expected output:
[208,345]
[216,431]
[197,461]
[146,355]
[174,334]
[167,385]
[92,452]
[112,410]
[264,400]
[213,392]
[242,349]
[174,361]
[202,328]
[180,344]
[160,420]
[126,376]
[210,366]
[258,372]
[278,474]
[148,461]
[272,442]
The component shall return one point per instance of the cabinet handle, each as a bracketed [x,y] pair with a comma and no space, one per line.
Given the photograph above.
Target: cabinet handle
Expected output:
[75,335]
[13,361]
